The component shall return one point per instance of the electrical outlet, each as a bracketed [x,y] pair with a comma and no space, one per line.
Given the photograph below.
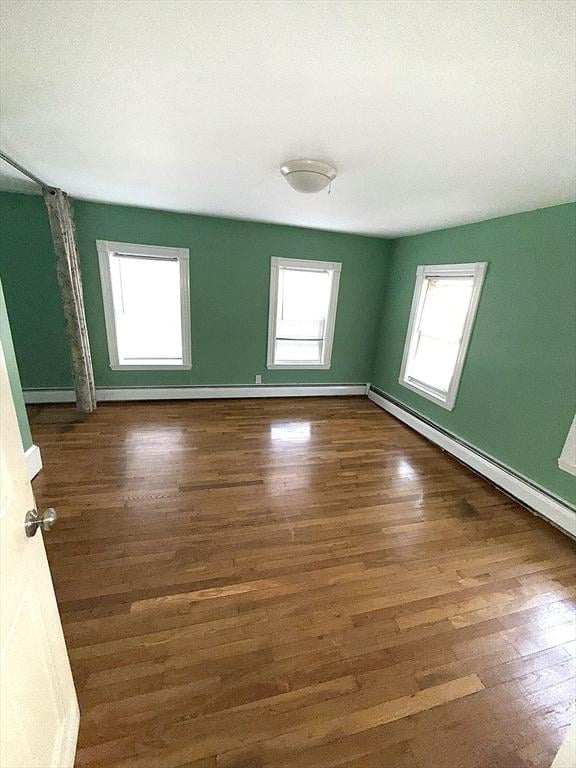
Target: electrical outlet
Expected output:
[258,378]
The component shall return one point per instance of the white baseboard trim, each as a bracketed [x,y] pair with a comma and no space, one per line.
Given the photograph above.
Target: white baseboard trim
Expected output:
[33,461]
[197,393]
[32,396]
[538,501]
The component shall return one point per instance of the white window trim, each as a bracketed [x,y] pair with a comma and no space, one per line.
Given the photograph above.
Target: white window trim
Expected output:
[476,270]
[276,264]
[105,249]
[567,460]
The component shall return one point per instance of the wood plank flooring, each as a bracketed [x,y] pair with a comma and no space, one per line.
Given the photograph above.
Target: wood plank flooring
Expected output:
[299,583]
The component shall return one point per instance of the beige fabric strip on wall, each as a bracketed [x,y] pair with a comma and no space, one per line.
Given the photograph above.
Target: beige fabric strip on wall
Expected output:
[63,230]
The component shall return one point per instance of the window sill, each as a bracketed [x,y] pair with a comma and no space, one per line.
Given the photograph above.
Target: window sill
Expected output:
[299,366]
[185,367]
[447,403]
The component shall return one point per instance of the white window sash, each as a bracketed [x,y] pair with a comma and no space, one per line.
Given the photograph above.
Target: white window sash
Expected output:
[477,271]
[108,250]
[327,341]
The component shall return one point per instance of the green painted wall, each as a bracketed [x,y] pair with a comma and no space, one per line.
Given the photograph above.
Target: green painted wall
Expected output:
[229,282]
[13,375]
[31,290]
[517,394]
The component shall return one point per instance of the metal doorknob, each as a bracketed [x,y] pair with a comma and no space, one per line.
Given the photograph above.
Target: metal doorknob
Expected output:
[33,521]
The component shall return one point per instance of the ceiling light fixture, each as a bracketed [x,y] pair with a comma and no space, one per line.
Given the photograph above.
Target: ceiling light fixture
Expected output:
[308,175]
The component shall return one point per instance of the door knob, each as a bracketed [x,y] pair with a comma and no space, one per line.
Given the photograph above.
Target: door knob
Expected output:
[33,521]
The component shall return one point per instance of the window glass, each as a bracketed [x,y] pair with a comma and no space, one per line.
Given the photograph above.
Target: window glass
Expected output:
[145,289]
[303,296]
[146,295]
[302,311]
[444,306]
[444,309]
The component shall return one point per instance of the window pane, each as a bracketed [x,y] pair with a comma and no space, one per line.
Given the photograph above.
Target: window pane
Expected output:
[300,329]
[303,302]
[301,323]
[434,362]
[445,307]
[303,295]
[298,351]
[436,339]
[146,295]
[303,298]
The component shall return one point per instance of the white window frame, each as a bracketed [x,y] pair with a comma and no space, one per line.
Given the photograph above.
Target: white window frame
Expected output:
[310,266]
[567,460]
[106,249]
[475,270]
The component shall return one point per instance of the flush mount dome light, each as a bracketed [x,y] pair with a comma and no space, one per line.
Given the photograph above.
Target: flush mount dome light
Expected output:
[308,175]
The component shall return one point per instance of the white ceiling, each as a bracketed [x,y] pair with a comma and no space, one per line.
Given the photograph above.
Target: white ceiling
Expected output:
[436,113]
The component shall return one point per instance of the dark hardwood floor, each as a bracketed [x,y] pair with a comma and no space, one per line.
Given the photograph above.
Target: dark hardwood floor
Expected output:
[299,583]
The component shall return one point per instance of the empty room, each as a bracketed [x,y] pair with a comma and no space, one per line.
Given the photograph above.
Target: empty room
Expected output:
[288,383]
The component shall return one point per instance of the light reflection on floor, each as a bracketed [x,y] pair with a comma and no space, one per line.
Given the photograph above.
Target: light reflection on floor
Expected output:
[288,477]
[290,432]
[406,470]
[144,445]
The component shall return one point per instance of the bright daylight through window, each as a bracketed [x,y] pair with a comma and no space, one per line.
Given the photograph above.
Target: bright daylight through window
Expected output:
[303,298]
[441,320]
[146,305]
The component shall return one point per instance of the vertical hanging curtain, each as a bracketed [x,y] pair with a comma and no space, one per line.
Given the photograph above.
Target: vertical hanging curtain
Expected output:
[61,218]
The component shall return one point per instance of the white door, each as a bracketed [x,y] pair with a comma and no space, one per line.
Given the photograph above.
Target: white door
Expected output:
[38,707]
[566,757]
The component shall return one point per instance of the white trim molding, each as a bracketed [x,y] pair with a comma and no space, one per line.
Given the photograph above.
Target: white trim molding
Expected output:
[537,500]
[33,461]
[106,251]
[567,460]
[565,755]
[33,396]
[66,752]
[124,394]
[303,265]
[476,271]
